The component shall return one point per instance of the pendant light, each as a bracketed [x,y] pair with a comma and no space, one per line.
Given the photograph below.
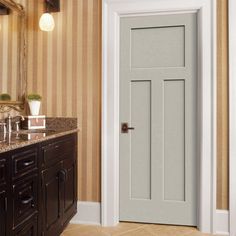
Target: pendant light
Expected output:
[46,21]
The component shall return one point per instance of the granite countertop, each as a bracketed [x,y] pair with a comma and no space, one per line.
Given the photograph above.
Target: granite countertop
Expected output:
[55,127]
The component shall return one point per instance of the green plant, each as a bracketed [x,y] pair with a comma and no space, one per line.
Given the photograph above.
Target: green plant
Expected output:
[34,97]
[5,97]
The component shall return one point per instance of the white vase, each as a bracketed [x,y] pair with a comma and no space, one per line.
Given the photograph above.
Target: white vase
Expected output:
[34,107]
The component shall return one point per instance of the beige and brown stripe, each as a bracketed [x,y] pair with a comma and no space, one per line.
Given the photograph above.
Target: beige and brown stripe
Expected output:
[222,107]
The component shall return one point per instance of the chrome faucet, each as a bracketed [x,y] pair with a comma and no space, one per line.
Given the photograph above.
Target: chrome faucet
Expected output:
[8,124]
[19,116]
[17,122]
[9,120]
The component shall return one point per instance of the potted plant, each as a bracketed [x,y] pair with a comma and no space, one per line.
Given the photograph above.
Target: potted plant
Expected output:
[34,101]
[5,97]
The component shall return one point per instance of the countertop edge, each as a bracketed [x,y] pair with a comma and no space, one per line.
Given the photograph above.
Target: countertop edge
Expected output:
[30,142]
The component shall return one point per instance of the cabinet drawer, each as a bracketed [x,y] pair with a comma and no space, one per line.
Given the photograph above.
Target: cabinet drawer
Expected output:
[3,171]
[55,151]
[24,162]
[25,199]
[30,228]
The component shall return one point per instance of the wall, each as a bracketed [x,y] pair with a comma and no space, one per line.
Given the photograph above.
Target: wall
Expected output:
[64,66]
[222,107]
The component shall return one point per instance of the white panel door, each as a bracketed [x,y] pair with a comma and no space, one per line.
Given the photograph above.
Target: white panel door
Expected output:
[158,100]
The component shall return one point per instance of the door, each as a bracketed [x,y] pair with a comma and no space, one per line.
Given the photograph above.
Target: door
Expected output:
[158,99]
[28,229]
[52,180]
[25,199]
[69,197]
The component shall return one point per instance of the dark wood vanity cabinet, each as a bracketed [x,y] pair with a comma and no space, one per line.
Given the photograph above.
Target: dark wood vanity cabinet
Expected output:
[59,183]
[38,188]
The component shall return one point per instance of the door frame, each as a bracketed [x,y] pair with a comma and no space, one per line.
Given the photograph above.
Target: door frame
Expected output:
[232,116]
[113,10]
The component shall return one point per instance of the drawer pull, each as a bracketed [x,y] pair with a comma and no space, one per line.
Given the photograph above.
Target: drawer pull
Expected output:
[27,200]
[28,163]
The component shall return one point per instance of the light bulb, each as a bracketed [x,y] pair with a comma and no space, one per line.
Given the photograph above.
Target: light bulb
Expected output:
[46,22]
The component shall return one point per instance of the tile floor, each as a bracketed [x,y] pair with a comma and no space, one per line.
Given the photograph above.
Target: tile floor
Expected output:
[131,229]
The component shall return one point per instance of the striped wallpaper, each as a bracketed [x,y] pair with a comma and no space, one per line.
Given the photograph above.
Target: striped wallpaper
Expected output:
[65,67]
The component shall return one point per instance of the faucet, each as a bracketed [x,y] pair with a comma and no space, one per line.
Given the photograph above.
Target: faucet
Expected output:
[19,116]
[8,124]
[17,122]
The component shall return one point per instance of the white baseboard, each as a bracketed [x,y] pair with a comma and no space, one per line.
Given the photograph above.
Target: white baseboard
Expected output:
[89,213]
[222,222]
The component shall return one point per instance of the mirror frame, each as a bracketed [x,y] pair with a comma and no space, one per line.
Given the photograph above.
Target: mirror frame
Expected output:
[6,106]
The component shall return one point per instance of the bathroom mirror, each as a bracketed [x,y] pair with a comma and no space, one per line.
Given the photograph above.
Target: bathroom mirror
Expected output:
[12,56]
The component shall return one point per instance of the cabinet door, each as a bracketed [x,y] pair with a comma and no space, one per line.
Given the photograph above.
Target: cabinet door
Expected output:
[52,180]
[69,190]
[28,229]
[3,212]
[25,199]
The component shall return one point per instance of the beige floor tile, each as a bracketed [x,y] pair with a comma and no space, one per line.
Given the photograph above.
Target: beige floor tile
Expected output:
[121,228]
[132,229]
[167,230]
[85,231]
[72,226]
[139,232]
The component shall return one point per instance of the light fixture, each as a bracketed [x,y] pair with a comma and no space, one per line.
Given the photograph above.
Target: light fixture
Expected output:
[46,22]
[4,10]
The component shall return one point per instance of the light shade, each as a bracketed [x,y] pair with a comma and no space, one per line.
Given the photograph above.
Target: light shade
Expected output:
[46,22]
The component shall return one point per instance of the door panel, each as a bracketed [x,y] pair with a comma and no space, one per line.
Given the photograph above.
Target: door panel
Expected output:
[140,139]
[28,229]
[25,202]
[69,189]
[158,81]
[51,199]
[174,140]
[158,41]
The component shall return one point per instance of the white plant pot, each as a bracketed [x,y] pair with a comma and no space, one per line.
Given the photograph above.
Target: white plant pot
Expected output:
[34,107]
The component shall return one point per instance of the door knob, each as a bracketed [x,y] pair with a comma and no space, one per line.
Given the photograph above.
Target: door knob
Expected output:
[125,128]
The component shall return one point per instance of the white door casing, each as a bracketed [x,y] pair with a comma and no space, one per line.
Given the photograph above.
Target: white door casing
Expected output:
[232,116]
[112,11]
